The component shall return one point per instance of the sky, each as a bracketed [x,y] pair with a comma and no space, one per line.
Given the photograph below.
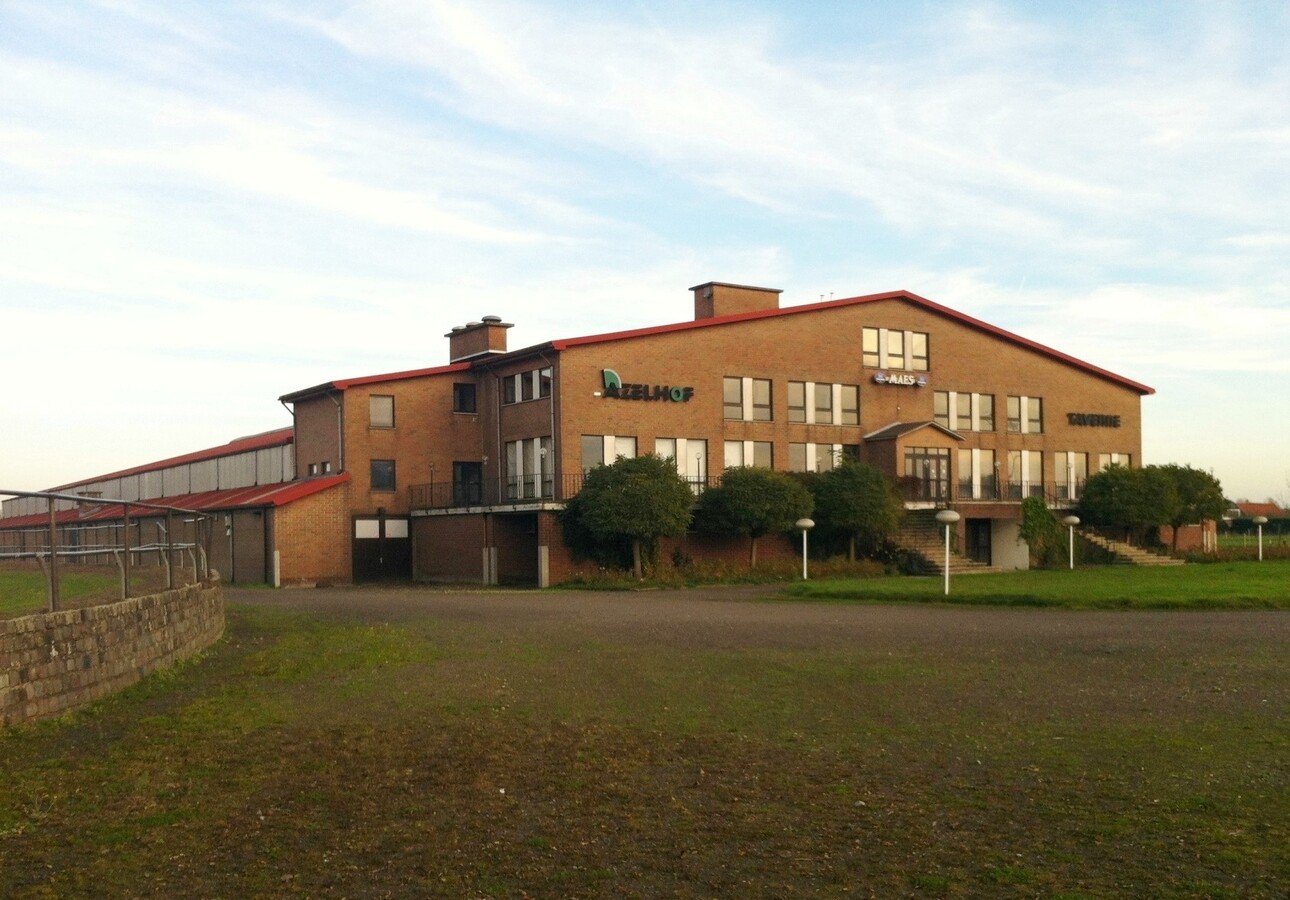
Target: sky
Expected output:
[204,206]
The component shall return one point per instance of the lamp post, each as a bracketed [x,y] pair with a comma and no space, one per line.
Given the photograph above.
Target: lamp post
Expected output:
[1070,522]
[1260,521]
[947,517]
[805,525]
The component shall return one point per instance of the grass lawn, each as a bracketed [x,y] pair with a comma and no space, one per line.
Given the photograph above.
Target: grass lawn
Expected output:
[1240,585]
[550,745]
[23,590]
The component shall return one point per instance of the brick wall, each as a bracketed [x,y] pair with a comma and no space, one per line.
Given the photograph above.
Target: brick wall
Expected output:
[53,662]
[314,538]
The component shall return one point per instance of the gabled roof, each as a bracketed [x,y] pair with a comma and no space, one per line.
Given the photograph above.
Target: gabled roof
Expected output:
[258,497]
[900,429]
[1250,510]
[277,438]
[905,296]
[346,383]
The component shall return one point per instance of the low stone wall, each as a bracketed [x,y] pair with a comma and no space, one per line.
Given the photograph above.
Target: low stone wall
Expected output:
[54,662]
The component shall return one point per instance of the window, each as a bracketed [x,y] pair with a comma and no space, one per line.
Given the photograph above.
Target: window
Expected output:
[849,413]
[1106,460]
[797,457]
[467,483]
[985,412]
[529,464]
[927,473]
[761,411]
[509,394]
[733,406]
[526,384]
[869,348]
[1070,471]
[749,453]
[825,458]
[326,466]
[732,393]
[918,352]
[383,475]
[797,401]
[889,348]
[941,408]
[690,455]
[1025,415]
[595,448]
[380,411]
[978,475]
[824,404]
[313,468]
[463,398]
[593,452]
[1025,474]
[1034,415]
[895,358]
[544,382]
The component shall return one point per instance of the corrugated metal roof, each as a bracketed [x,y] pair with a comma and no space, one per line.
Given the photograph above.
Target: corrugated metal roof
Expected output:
[259,497]
[277,438]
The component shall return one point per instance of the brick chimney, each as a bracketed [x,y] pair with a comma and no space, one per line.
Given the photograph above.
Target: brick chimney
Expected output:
[476,339]
[716,298]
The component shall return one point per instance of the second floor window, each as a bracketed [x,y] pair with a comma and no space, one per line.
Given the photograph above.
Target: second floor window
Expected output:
[1026,415]
[463,398]
[380,411]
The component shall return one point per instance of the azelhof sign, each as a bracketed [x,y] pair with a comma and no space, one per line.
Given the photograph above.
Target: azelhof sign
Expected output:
[615,388]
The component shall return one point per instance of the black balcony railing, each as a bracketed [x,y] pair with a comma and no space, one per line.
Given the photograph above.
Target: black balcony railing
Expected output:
[531,489]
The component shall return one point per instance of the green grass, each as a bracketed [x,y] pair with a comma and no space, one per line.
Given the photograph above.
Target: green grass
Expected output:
[1243,585]
[328,756]
[23,592]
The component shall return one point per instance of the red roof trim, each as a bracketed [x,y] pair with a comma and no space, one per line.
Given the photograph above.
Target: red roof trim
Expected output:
[854,301]
[346,383]
[277,438]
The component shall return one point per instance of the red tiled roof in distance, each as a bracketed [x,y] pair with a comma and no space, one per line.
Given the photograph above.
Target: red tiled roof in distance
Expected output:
[906,296]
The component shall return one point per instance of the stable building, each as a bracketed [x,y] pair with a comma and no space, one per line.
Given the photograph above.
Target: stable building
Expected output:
[457,472]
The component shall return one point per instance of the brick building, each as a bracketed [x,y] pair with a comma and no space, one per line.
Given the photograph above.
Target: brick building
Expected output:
[457,472]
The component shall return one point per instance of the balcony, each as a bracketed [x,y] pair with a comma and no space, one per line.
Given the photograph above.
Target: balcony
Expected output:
[527,491]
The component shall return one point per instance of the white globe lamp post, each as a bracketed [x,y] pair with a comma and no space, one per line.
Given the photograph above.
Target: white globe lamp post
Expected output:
[1070,522]
[947,517]
[1260,521]
[805,525]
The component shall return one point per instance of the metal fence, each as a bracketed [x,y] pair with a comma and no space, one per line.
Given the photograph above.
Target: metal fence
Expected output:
[68,534]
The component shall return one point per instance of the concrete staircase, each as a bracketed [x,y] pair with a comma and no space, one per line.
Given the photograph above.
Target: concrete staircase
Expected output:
[1127,554]
[925,538]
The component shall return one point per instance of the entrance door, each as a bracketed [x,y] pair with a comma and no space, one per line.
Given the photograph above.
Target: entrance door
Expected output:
[382,550]
[976,534]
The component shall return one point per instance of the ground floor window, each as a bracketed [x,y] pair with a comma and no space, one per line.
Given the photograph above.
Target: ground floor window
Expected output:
[749,453]
[383,475]
[978,475]
[1025,474]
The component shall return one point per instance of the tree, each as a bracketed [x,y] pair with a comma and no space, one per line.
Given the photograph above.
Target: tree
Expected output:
[1133,499]
[1200,497]
[637,500]
[1040,529]
[857,500]
[754,501]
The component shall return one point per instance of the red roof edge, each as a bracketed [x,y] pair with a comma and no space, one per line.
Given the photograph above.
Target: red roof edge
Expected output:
[946,311]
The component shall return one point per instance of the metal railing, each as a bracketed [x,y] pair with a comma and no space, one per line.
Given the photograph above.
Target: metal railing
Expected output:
[914,490]
[61,538]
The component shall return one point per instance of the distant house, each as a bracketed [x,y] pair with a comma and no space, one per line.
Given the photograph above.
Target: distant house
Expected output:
[1269,510]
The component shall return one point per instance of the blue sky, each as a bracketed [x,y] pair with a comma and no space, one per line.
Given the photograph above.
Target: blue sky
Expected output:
[204,206]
